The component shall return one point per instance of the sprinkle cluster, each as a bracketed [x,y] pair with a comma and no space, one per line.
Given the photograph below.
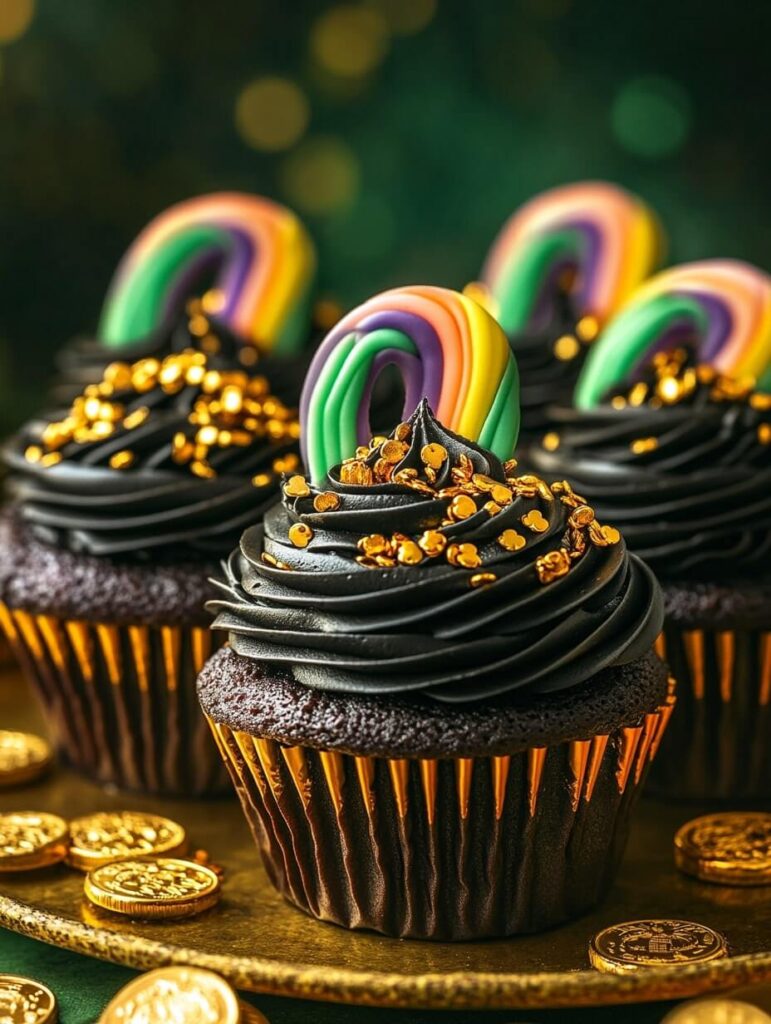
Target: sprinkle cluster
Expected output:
[469,494]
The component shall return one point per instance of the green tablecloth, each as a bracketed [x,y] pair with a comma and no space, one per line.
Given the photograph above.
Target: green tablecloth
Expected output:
[84,986]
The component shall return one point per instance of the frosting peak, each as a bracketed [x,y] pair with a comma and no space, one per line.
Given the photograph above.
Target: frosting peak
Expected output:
[424,564]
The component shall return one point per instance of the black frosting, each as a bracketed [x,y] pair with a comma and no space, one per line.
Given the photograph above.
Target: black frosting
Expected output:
[424,628]
[688,483]
[157,508]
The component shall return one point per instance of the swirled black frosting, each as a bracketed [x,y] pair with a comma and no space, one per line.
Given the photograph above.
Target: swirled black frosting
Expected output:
[342,622]
[157,506]
[686,478]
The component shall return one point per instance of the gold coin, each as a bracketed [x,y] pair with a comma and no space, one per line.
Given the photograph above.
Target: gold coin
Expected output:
[30,840]
[627,947]
[711,1011]
[23,757]
[153,887]
[98,839]
[25,1001]
[731,848]
[184,995]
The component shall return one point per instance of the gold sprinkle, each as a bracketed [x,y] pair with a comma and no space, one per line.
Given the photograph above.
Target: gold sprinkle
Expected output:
[464,555]
[551,441]
[433,455]
[552,565]
[402,432]
[509,466]
[618,402]
[202,469]
[611,534]
[501,495]
[492,508]
[483,482]
[51,459]
[535,521]
[511,540]
[275,562]
[383,471]
[482,579]
[639,393]
[213,301]
[566,348]
[669,390]
[587,328]
[643,445]
[408,553]
[582,515]
[760,400]
[286,464]
[198,325]
[432,543]
[374,544]
[34,453]
[232,399]
[207,435]
[327,501]
[300,534]
[136,418]
[356,472]
[297,487]
[121,460]
[461,507]
[261,479]
[393,451]
[764,433]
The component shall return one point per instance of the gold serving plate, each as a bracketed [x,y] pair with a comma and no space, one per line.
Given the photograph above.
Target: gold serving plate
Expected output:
[261,944]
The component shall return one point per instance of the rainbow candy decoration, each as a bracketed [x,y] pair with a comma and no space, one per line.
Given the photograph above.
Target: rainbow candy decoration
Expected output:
[724,306]
[447,348]
[259,252]
[605,238]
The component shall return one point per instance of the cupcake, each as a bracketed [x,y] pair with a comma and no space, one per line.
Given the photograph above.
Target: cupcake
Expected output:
[439,698]
[560,267]
[124,504]
[679,458]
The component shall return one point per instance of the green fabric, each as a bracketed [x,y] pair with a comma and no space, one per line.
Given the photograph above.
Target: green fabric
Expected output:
[84,987]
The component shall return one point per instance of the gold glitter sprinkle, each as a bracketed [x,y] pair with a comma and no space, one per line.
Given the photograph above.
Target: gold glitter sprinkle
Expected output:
[764,433]
[535,521]
[297,487]
[275,562]
[482,579]
[511,540]
[300,534]
[566,348]
[286,464]
[408,552]
[551,441]
[433,455]
[587,328]
[603,536]
[202,469]
[639,393]
[261,479]
[327,501]
[357,473]
[552,565]
[464,555]
[136,418]
[643,445]
[461,507]
[393,451]
[432,543]
[121,460]
[582,515]
[509,466]
[51,459]
[34,453]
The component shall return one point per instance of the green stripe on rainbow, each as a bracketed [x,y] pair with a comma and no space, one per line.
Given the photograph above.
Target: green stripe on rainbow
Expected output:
[257,253]
[720,307]
[447,348]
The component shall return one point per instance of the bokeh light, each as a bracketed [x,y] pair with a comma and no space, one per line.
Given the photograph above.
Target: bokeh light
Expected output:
[349,40]
[15,18]
[651,116]
[406,17]
[321,176]
[271,113]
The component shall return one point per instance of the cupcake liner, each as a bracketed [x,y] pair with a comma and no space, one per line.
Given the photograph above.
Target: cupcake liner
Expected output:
[450,849]
[718,746]
[120,700]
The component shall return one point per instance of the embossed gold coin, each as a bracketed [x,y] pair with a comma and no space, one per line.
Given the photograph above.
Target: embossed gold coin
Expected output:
[182,995]
[29,840]
[730,848]
[153,887]
[25,1001]
[23,757]
[627,947]
[98,839]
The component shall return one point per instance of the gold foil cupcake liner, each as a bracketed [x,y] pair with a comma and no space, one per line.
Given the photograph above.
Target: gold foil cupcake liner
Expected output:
[443,848]
[718,745]
[120,700]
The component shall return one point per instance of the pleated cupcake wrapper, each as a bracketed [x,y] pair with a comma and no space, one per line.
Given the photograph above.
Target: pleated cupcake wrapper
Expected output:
[121,701]
[718,746]
[447,849]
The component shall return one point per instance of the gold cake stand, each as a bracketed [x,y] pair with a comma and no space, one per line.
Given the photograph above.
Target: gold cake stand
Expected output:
[261,944]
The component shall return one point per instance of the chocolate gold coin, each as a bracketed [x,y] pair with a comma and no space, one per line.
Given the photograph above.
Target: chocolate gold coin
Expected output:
[629,946]
[98,839]
[25,1001]
[184,995]
[30,840]
[730,848]
[23,757]
[153,887]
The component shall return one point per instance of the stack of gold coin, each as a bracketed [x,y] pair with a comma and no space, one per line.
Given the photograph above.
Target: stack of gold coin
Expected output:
[153,887]
[728,848]
[98,839]
[25,1001]
[23,757]
[185,995]
[632,945]
[32,839]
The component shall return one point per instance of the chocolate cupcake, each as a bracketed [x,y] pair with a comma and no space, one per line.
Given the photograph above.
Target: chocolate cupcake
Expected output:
[439,699]
[125,504]
[679,459]
[560,267]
